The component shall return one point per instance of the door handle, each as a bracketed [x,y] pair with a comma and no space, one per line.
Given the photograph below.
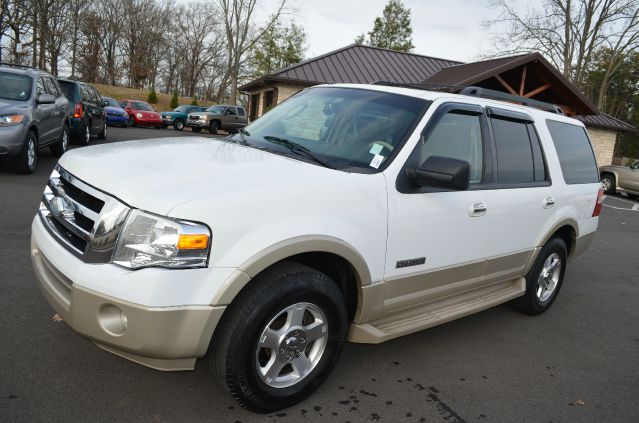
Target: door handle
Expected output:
[548,202]
[477,209]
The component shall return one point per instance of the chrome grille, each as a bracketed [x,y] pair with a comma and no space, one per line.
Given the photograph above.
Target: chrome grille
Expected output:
[83,219]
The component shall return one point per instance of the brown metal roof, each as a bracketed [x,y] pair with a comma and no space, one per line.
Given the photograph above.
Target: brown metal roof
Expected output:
[478,72]
[357,64]
[605,121]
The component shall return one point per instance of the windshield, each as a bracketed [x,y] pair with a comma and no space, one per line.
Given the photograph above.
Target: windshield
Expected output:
[111,101]
[139,105]
[216,109]
[15,87]
[181,109]
[343,127]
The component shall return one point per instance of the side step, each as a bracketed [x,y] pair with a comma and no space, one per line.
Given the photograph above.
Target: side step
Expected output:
[435,313]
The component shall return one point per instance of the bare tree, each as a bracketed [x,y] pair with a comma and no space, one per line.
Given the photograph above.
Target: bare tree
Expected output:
[241,34]
[569,32]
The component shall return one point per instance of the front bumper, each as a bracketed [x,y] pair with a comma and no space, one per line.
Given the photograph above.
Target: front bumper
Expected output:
[197,123]
[12,140]
[117,119]
[163,338]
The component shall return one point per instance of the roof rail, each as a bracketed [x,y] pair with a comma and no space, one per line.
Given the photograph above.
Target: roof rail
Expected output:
[477,92]
[421,86]
[17,65]
[511,98]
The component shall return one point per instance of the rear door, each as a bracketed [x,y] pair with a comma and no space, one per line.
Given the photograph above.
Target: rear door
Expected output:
[61,107]
[98,115]
[437,239]
[522,199]
[46,114]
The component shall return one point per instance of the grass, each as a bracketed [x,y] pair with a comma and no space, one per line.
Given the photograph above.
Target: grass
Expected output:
[123,93]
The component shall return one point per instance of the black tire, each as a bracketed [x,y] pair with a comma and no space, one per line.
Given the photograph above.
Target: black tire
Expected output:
[214,126]
[160,127]
[178,125]
[27,160]
[60,147]
[608,183]
[532,302]
[233,354]
[196,130]
[85,138]
[103,134]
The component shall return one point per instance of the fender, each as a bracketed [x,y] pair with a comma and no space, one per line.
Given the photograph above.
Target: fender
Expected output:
[287,248]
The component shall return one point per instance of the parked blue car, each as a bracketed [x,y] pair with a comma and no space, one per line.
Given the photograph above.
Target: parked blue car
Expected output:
[177,117]
[115,115]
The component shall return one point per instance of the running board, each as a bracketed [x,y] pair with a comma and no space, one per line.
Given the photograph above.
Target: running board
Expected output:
[435,313]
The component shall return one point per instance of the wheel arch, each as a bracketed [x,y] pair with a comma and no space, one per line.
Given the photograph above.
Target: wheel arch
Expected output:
[332,256]
[567,231]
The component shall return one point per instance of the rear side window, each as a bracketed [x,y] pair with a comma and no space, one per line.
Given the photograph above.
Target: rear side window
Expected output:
[575,153]
[86,95]
[68,89]
[519,156]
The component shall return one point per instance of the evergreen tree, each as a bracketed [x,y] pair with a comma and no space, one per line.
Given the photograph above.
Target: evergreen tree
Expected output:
[393,30]
[174,100]
[194,102]
[153,97]
[280,46]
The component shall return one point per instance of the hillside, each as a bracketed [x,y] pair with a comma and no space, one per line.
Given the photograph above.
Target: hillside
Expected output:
[122,93]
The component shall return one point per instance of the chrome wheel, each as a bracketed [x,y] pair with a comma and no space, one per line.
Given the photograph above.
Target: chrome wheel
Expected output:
[104,131]
[606,184]
[87,134]
[549,277]
[291,345]
[31,153]
[179,125]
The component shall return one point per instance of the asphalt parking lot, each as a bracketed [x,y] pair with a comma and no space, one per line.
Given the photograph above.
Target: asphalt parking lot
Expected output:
[579,362]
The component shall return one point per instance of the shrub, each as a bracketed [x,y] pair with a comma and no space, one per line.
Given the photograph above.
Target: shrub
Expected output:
[153,97]
[174,100]
[194,102]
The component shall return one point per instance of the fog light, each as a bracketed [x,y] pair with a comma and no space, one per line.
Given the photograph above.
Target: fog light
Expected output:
[113,320]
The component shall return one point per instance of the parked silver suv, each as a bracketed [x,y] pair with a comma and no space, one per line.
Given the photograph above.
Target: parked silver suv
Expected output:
[33,115]
[227,118]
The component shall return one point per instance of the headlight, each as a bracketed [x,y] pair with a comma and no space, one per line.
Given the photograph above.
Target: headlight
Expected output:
[139,115]
[204,117]
[11,119]
[150,240]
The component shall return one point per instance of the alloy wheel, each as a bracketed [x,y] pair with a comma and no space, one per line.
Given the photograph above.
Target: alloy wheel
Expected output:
[291,345]
[549,277]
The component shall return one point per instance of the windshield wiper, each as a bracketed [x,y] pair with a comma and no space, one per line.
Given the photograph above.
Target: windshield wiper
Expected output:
[298,149]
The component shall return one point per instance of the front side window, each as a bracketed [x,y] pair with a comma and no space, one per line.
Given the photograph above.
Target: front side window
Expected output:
[576,157]
[230,111]
[635,166]
[40,89]
[111,101]
[183,109]
[456,136]
[240,111]
[342,127]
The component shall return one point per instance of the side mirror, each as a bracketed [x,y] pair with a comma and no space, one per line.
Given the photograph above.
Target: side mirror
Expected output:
[45,99]
[105,103]
[441,172]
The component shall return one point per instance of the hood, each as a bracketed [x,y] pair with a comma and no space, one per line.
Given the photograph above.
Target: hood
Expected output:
[172,113]
[114,109]
[12,106]
[158,174]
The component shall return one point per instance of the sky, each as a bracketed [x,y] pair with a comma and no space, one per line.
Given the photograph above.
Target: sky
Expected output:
[450,29]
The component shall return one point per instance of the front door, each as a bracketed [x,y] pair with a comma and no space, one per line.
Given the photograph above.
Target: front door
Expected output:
[438,240]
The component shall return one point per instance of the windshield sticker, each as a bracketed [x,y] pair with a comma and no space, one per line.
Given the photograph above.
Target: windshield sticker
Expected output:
[377,160]
[376,149]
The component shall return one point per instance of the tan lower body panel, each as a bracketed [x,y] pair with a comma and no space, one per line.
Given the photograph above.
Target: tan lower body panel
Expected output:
[435,313]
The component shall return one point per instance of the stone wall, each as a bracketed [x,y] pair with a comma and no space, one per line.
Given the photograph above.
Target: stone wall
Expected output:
[603,141]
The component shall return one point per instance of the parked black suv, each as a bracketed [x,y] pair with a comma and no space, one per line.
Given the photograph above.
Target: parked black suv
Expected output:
[33,115]
[86,109]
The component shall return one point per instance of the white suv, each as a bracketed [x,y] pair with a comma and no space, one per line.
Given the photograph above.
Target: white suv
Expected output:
[364,212]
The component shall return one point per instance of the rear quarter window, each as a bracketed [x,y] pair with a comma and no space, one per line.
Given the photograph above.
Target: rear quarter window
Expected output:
[576,156]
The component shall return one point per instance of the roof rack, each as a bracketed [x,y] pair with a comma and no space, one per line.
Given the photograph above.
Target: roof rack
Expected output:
[17,65]
[477,92]
[511,98]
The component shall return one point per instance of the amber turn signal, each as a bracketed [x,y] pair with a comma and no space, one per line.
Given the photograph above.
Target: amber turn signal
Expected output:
[193,242]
